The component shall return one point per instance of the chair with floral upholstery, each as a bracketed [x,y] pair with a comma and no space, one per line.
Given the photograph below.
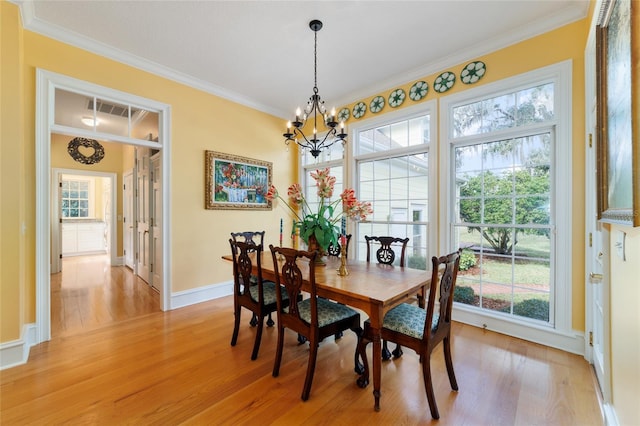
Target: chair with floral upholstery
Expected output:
[315,318]
[422,330]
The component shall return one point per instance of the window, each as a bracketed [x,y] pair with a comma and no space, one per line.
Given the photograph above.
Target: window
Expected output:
[509,201]
[75,198]
[331,158]
[392,167]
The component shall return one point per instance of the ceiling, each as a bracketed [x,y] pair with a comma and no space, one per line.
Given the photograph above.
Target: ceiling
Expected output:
[260,53]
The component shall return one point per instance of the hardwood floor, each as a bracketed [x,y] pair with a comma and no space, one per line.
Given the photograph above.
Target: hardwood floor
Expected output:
[90,293]
[177,367]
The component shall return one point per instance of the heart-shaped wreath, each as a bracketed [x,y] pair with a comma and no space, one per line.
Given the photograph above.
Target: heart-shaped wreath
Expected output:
[74,152]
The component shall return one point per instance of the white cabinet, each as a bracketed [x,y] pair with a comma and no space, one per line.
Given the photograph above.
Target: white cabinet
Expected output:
[83,237]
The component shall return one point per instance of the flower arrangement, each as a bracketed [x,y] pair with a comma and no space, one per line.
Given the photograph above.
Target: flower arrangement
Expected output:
[322,225]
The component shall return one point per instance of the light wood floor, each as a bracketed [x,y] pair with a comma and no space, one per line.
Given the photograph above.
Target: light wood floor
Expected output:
[90,293]
[177,367]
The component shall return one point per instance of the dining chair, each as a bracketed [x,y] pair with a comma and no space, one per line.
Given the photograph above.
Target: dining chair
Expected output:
[314,317]
[256,237]
[336,249]
[385,254]
[422,329]
[258,297]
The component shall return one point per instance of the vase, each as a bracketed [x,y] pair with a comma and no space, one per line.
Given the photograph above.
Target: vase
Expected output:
[314,246]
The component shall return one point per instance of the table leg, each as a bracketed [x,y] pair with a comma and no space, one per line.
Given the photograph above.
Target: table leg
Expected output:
[377,368]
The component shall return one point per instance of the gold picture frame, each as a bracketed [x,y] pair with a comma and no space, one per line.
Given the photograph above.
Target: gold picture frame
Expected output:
[618,111]
[236,183]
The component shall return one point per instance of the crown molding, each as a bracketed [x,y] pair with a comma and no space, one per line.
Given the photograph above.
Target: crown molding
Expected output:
[32,23]
[532,29]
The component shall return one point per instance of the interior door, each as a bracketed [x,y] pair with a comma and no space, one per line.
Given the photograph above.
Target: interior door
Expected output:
[156,215]
[128,219]
[143,214]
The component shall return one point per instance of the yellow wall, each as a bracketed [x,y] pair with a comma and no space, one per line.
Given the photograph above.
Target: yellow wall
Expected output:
[625,326]
[112,162]
[199,122]
[13,178]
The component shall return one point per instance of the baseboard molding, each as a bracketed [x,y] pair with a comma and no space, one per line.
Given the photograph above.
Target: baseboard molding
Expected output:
[201,294]
[610,417]
[573,342]
[16,352]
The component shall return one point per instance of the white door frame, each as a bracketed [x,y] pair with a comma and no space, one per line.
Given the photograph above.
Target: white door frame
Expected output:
[128,215]
[56,247]
[46,84]
[597,238]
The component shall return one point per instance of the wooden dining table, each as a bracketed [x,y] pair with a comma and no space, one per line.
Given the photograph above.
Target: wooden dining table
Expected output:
[371,287]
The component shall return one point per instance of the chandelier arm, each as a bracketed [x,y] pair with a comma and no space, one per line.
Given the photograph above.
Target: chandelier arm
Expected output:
[315,106]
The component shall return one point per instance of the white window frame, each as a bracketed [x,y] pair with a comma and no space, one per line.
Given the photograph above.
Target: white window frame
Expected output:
[351,160]
[561,335]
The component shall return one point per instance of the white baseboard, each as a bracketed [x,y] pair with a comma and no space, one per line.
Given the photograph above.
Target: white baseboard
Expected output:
[16,352]
[573,342]
[610,417]
[201,294]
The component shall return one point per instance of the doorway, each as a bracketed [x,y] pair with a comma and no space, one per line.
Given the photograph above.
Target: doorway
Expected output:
[48,84]
[83,215]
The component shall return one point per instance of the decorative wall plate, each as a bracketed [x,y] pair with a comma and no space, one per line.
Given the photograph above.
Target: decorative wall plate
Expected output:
[472,72]
[444,82]
[359,109]
[418,90]
[343,115]
[76,143]
[376,104]
[396,98]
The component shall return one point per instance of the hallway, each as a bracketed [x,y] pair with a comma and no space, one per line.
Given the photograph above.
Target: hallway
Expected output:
[89,293]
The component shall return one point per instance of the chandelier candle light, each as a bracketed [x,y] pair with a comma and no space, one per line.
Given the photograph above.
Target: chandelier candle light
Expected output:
[319,229]
[315,106]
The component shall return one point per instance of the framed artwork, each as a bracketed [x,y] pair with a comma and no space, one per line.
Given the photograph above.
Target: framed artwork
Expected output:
[233,182]
[618,111]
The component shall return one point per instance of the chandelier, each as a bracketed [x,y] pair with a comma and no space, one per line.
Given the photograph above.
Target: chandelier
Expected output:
[315,106]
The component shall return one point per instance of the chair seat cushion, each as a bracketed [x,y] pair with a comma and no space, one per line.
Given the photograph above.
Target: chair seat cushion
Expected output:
[269,292]
[328,312]
[409,320]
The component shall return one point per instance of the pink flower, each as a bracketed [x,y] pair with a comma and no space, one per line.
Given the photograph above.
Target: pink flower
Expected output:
[325,182]
[295,194]
[349,199]
[271,193]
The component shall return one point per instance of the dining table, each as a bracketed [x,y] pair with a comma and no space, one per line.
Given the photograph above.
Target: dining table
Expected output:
[371,287]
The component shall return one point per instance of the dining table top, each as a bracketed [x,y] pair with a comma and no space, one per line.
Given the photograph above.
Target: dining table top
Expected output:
[367,284]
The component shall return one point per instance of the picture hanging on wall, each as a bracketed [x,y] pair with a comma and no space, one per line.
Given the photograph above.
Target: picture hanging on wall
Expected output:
[617,56]
[233,182]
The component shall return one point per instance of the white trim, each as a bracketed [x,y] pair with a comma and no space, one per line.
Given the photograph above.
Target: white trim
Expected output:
[46,84]
[184,298]
[591,224]
[114,204]
[561,74]
[16,352]
[572,341]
